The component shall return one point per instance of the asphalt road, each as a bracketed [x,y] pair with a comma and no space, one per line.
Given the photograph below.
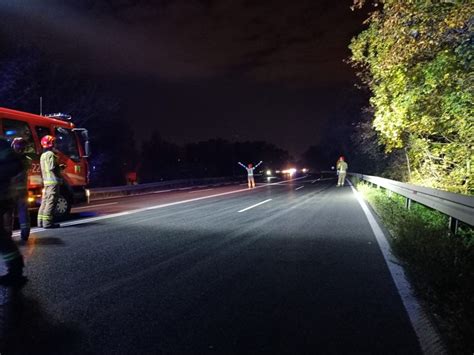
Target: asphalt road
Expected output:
[291,268]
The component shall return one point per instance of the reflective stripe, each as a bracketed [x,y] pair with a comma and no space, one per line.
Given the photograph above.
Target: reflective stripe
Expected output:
[11,256]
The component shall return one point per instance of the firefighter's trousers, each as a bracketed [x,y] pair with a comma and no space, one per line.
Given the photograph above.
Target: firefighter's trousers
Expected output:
[8,249]
[341,179]
[251,181]
[48,205]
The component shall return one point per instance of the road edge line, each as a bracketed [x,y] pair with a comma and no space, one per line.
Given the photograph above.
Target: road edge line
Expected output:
[428,336]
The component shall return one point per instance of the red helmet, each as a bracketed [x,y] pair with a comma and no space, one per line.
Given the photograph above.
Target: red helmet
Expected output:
[47,141]
[18,144]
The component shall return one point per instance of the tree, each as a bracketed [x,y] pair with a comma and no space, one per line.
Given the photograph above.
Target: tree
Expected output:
[368,155]
[26,76]
[416,57]
[159,159]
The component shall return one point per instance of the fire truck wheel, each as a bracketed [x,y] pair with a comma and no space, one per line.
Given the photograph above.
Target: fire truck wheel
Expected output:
[63,207]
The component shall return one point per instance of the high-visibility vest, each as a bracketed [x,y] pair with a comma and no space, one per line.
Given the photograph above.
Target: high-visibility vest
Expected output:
[50,168]
[342,166]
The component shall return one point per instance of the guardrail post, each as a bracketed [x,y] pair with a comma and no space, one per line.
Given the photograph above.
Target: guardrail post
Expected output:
[408,203]
[453,225]
[458,206]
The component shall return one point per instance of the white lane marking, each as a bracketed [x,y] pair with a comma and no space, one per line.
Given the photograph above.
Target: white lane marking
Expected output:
[192,192]
[185,188]
[113,215]
[253,206]
[89,220]
[324,179]
[158,192]
[92,206]
[299,188]
[428,337]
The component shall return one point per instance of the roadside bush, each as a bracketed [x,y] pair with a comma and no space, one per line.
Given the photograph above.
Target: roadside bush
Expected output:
[441,265]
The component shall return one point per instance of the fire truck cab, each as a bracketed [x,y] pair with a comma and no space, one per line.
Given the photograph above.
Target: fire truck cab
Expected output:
[72,147]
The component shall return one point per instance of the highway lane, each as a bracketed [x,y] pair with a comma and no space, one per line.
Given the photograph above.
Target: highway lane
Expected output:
[114,205]
[298,270]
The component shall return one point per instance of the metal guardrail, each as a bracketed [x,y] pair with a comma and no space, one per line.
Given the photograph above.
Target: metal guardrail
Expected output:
[127,190]
[457,206]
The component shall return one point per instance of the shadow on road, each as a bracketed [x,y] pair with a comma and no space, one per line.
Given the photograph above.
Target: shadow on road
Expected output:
[85,214]
[27,330]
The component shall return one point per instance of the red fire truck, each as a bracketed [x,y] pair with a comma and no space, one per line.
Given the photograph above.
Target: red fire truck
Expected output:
[72,145]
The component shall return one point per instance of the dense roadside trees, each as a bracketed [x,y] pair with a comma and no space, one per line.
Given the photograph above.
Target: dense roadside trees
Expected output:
[368,155]
[417,59]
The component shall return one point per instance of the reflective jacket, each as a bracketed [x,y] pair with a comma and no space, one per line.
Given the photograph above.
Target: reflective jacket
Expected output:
[50,170]
[342,166]
[250,170]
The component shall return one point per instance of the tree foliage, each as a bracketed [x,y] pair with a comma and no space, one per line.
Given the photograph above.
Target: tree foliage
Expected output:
[417,59]
[368,155]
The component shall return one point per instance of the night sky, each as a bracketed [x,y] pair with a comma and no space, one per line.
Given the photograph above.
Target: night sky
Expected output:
[200,69]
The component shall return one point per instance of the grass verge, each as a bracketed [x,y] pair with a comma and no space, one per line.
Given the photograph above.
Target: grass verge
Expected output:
[439,264]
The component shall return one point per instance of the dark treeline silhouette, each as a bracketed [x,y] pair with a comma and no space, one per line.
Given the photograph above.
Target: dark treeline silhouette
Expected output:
[369,155]
[332,145]
[342,137]
[162,160]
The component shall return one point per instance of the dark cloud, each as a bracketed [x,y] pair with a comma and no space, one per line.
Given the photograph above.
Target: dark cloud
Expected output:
[196,69]
[298,42]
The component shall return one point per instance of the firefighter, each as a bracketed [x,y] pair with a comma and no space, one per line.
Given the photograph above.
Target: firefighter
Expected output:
[10,166]
[51,174]
[341,167]
[21,188]
[250,169]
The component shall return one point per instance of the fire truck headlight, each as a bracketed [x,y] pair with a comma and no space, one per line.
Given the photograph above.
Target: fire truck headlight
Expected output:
[31,199]
[269,172]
